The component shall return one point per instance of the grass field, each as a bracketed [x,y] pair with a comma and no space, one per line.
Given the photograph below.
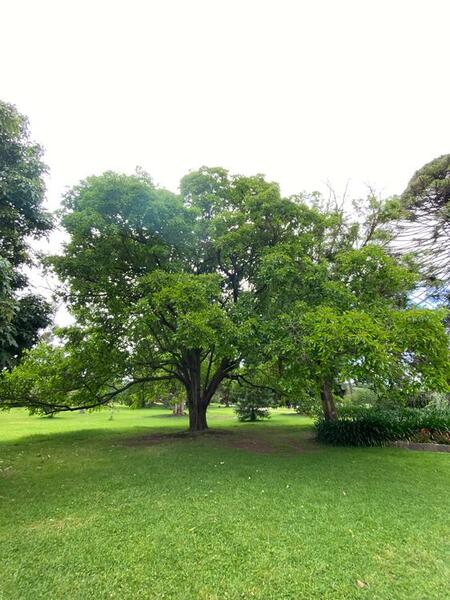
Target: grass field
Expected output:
[99,508]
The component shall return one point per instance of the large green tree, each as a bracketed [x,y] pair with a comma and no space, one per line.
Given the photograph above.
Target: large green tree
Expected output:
[162,285]
[22,217]
[343,310]
[226,280]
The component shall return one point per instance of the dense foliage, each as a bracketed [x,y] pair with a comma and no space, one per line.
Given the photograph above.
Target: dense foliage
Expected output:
[347,316]
[22,217]
[161,286]
[228,281]
[361,396]
[374,427]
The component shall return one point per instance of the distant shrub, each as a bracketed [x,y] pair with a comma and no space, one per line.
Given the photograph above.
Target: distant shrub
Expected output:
[252,404]
[374,427]
[224,394]
[137,399]
[439,401]
[307,401]
[359,396]
[348,411]
[308,406]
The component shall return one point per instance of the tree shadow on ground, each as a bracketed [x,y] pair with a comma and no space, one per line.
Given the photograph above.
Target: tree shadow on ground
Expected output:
[165,416]
[255,437]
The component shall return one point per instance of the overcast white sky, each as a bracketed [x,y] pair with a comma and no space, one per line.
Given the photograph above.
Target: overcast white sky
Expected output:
[303,91]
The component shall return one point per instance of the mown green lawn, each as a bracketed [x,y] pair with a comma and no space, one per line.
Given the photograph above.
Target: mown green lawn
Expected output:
[258,512]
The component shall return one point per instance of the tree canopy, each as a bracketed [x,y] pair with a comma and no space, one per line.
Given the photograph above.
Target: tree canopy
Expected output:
[22,216]
[227,280]
[342,311]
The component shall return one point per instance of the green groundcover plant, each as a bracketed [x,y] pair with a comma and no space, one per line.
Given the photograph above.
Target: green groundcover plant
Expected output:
[375,427]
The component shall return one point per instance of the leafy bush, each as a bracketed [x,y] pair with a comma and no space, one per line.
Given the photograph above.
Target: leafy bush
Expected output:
[348,411]
[252,404]
[361,395]
[308,406]
[373,427]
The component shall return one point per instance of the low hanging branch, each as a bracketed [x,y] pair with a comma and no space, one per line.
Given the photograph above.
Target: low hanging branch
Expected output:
[30,400]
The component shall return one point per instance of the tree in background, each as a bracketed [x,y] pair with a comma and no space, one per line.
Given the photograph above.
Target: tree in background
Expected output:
[170,394]
[7,307]
[341,310]
[426,228]
[252,403]
[22,217]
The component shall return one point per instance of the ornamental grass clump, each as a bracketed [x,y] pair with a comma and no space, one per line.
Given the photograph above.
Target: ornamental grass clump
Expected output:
[372,427]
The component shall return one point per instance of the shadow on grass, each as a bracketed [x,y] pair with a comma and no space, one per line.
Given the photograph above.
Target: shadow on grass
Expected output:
[93,435]
[166,416]
[261,435]
[291,414]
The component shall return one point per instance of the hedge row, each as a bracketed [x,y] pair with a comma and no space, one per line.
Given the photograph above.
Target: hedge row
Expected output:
[372,427]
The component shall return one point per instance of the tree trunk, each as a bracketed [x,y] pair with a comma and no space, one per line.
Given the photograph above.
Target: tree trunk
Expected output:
[199,396]
[328,405]
[197,404]
[178,409]
[197,417]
